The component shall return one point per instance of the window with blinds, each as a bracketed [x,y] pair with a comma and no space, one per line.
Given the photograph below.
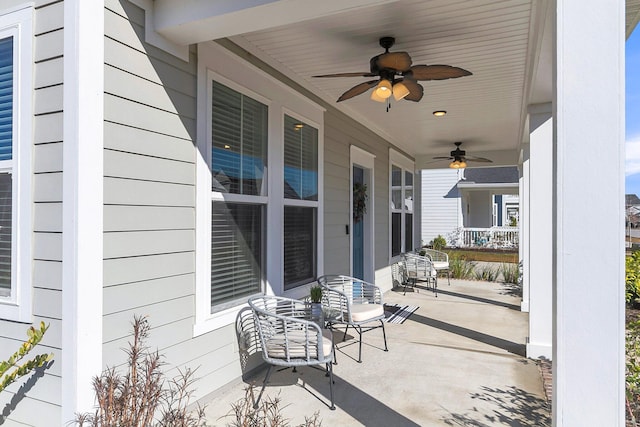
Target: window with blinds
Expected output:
[6,98]
[6,149]
[236,252]
[239,135]
[299,246]
[239,142]
[401,210]
[300,160]
[300,184]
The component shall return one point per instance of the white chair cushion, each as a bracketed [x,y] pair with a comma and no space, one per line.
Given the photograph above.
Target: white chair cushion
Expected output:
[440,265]
[297,345]
[364,312]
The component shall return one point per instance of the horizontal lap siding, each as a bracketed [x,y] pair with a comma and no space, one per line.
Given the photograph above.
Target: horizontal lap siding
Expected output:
[41,403]
[340,133]
[440,203]
[149,204]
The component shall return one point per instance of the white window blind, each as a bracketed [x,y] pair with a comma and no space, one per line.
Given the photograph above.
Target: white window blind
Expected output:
[6,149]
[239,139]
[300,160]
[236,252]
[239,135]
[299,245]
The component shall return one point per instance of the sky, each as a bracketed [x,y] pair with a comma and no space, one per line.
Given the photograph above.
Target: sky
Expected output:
[632,119]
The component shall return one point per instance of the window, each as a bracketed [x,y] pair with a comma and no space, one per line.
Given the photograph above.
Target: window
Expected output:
[258,192]
[401,204]
[300,199]
[15,164]
[238,162]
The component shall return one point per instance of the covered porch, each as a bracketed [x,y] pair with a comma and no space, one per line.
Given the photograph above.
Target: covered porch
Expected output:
[458,360]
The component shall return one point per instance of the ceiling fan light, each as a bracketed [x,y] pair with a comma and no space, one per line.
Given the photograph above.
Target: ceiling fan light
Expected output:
[455,164]
[375,97]
[463,164]
[400,91]
[383,89]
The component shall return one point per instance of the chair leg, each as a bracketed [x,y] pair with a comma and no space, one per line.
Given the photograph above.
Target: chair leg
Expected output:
[359,329]
[330,369]
[344,337]
[384,335]
[264,384]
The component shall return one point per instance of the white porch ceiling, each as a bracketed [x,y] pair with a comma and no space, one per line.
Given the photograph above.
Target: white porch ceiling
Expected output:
[506,44]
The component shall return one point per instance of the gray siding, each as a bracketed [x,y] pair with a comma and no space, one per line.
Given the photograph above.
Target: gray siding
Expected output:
[440,206]
[39,404]
[340,133]
[149,204]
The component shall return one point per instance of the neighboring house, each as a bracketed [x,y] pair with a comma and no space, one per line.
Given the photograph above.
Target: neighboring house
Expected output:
[170,159]
[470,198]
[632,210]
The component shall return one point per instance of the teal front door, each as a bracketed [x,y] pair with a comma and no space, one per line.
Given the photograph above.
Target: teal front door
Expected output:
[358,232]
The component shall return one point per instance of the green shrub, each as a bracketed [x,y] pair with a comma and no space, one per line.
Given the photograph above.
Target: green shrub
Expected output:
[34,337]
[632,377]
[632,279]
[509,272]
[486,273]
[460,268]
[439,243]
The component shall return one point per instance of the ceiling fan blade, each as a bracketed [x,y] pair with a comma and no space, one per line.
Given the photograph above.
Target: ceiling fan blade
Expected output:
[478,159]
[442,158]
[363,74]
[357,90]
[415,90]
[436,72]
[399,61]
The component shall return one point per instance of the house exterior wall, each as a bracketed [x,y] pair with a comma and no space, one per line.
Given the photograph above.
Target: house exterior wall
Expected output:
[41,404]
[150,160]
[441,207]
[477,208]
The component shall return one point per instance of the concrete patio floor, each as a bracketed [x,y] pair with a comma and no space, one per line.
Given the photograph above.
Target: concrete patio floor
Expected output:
[457,361]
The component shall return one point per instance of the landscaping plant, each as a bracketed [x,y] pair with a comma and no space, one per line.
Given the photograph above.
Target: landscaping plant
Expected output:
[439,243]
[510,272]
[632,279]
[142,396]
[633,370]
[268,413]
[460,268]
[486,273]
[14,362]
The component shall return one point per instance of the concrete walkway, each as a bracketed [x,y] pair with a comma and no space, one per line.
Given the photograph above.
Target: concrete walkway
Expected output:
[457,361]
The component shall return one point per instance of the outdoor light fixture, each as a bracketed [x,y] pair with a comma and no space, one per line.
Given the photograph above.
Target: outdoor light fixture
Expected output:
[439,113]
[458,164]
[400,91]
[382,91]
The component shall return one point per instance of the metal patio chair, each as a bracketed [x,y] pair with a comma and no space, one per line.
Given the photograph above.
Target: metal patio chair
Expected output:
[353,302]
[440,261]
[289,339]
[420,268]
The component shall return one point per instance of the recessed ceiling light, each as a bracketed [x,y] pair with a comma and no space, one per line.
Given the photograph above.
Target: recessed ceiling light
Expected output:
[439,113]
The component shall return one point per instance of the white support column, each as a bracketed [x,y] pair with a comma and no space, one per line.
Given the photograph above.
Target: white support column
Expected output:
[540,236]
[523,244]
[82,189]
[589,110]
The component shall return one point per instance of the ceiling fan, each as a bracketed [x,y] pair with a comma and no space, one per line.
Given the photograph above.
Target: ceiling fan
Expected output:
[459,158]
[396,76]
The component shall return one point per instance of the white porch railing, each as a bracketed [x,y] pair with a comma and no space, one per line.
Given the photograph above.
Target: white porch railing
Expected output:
[493,237]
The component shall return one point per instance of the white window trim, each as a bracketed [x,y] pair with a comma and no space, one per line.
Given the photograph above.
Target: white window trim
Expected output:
[406,165]
[217,63]
[19,24]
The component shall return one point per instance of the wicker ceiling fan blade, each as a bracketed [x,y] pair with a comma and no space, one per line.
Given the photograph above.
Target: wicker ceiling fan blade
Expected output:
[399,61]
[357,90]
[436,72]
[478,159]
[416,91]
[356,74]
[442,158]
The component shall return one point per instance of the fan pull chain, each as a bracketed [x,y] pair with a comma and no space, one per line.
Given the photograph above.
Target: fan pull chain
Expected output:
[388,104]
